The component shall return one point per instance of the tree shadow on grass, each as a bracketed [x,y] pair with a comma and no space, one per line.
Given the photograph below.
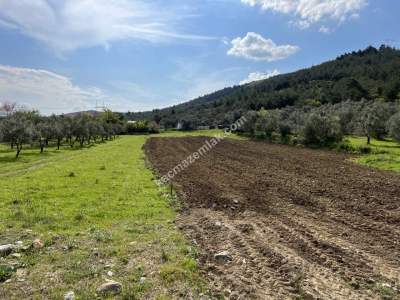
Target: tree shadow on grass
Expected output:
[9,159]
[27,155]
[386,146]
[24,157]
[9,150]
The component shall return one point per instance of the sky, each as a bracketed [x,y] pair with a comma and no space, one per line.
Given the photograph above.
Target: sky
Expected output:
[60,56]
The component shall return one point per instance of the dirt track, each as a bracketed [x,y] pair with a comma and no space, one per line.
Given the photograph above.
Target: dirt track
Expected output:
[298,223]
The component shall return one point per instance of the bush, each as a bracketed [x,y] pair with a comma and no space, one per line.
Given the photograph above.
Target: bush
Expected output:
[249,125]
[346,147]
[394,127]
[373,120]
[284,129]
[5,272]
[133,127]
[187,125]
[364,149]
[267,122]
[321,131]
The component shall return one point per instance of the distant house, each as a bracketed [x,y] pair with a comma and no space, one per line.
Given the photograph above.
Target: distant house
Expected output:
[3,114]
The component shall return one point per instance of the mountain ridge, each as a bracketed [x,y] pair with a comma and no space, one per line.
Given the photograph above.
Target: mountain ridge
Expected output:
[365,74]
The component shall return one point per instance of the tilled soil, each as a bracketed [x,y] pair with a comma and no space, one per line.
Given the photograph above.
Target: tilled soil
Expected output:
[297,223]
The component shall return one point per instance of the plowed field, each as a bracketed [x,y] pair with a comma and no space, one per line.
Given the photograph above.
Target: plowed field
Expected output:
[297,223]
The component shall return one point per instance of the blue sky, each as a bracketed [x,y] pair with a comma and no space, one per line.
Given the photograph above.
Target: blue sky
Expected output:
[67,55]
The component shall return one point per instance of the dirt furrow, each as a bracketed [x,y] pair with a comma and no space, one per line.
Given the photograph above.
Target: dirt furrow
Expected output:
[297,223]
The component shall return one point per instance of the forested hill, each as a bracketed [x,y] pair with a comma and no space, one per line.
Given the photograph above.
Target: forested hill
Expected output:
[371,74]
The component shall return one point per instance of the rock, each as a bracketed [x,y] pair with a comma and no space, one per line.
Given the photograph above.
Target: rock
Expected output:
[142,280]
[111,287]
[69,295]
[234,296]
[37,244]
[56,238]
[6,250]
[218,224]
[223,256]
[21,273]
[354,283]
[109,273]
[19,243]
[16,255]
[370,280]
[26,248]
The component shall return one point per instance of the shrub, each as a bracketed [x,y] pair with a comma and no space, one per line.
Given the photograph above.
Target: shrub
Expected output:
[321,131]
[5,272]
[346,147]
[249,125]
[267,122]
[373,120]
[394,127]
[364,149]
[284,129]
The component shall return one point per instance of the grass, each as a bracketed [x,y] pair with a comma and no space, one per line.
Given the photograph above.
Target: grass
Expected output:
[383,155]
[209,132]
[96,210]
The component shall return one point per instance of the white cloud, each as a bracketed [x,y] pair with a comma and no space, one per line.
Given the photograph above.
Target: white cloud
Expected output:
[324,29]
[256,76]
[50,92]
[254,46]
[309,12]
[66,25]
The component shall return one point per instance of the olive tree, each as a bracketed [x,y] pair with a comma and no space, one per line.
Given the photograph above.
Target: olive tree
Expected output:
[249,125]
[18,129]
[394,127]
[44,131]
[373,120]
[267,122]
[321,130]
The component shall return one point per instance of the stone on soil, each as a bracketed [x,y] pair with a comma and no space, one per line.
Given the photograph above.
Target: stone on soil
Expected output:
[6,250]
[111,287]
[223,256]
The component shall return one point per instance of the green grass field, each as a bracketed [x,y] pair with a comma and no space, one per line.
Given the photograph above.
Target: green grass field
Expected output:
[209,132]
[97,210]
[384,155]
[101,216]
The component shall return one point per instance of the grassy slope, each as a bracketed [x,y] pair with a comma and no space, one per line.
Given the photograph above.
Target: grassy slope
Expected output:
[97,210]
[385,154]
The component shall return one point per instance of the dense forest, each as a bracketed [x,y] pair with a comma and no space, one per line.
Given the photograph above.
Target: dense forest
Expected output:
[370,74]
